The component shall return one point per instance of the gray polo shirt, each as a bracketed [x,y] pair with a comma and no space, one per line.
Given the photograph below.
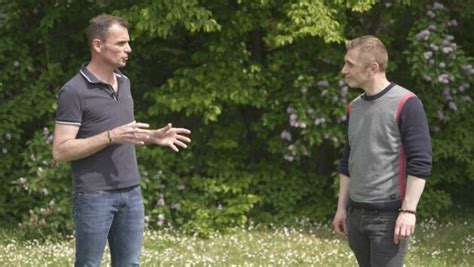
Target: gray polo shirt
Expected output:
[94,106]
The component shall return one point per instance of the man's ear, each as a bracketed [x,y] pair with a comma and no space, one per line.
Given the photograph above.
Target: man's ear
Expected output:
[97,45]
[374,68]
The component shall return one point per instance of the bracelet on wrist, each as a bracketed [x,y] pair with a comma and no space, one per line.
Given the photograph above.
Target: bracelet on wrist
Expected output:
[108,136]
[407,211]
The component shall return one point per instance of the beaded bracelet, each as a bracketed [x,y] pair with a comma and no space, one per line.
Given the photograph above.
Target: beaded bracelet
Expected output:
[407,211]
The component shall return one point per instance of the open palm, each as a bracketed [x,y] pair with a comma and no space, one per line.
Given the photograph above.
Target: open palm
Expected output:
[171,137]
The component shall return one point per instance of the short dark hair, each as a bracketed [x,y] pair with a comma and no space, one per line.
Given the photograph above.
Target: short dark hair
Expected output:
[99,25]
[371,49]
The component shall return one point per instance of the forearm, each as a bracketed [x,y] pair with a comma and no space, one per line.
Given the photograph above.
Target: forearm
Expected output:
[74,149]
[343,192]
[413,192]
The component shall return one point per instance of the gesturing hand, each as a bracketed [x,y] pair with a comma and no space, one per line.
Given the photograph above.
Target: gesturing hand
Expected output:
[132,133]
[171,137]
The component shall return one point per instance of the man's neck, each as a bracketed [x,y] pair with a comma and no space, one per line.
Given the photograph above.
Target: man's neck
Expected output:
[102,72]
[376,85]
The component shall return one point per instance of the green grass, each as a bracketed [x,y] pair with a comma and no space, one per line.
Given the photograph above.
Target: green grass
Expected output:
[450,243]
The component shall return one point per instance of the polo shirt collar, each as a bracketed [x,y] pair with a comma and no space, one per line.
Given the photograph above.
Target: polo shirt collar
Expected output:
[91,78]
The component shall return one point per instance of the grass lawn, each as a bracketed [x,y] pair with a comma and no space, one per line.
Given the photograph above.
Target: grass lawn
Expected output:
[449,243]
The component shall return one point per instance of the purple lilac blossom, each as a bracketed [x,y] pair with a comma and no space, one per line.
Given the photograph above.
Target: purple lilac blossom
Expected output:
[452,106]
[323,84]
[427,55]
[319,121]
[443,78]
[423,35]
[447,49]
[440,115]
[285,135]
[431,14]
[434,47]
[438,6]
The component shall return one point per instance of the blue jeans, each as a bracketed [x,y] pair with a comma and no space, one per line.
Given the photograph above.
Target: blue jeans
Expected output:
[116,216]
[370,236]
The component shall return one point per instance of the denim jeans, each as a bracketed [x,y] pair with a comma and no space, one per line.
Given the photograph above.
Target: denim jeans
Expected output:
[370,236]
[116,216]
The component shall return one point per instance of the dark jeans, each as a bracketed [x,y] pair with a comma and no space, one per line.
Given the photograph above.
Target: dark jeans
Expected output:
[116,216]
[370,236]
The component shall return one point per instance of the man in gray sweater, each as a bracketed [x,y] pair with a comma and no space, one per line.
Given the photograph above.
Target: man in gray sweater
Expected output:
[387,157]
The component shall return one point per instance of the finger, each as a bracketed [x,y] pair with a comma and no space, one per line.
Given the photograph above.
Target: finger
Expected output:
[340,231]
[142,131]
[181,144]
[141,125]
[181,130]
[133,141]
[174,147]
[183,138]
[396,235]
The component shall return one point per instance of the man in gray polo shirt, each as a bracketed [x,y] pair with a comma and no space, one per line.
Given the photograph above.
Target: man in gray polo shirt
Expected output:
[96,131]
[387,158]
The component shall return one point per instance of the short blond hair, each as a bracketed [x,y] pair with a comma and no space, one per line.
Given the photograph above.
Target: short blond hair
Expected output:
[371,49]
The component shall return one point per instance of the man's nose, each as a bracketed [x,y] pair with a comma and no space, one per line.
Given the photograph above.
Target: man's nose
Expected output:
[128,49]
[344,70]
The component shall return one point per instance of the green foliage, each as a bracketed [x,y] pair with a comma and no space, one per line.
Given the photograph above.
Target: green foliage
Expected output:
[444,74]
[258,84]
